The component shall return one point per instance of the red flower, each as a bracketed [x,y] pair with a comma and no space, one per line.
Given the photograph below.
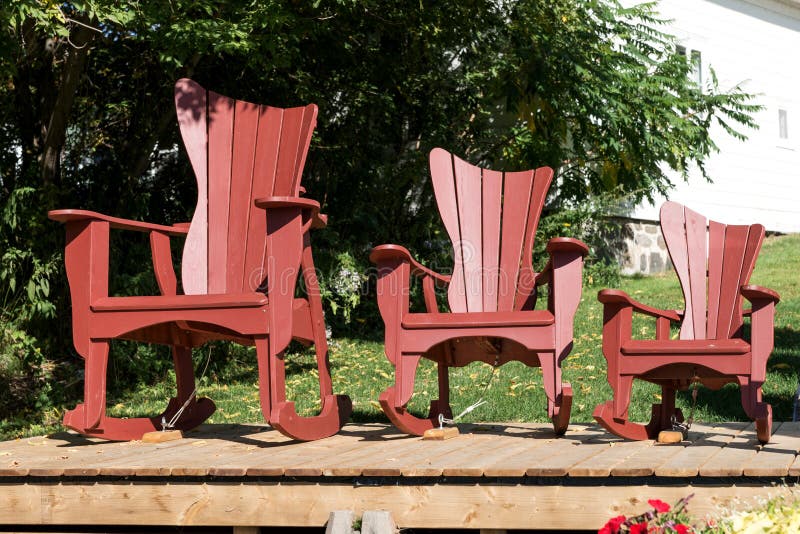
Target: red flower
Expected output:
[682,529]
[659,506]
[639,528]
[612,527]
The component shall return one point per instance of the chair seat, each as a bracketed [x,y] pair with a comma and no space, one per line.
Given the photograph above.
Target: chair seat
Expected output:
[180,302]
[478,319]
[685,347]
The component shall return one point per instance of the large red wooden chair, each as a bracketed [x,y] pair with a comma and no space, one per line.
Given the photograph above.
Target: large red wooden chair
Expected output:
[246,244]
[491,218]
[714,263]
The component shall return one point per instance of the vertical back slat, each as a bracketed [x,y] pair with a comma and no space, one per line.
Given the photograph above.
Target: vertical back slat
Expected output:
[244,147]
[673,228]
[716,244]
[221,118]
[306,130]
[492,207]
[469,197]
[542,178]
[441,165]
[735,244]
[696,241]
[755,237]
[191,106]
[264,168]
[516,202]
[289,152]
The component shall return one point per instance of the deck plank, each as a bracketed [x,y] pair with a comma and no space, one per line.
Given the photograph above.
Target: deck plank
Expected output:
[775,458]
[730,460]
[615,452]
[644,461]
[555,459]
[487,454]
[705,441]
[543,445]
[294,458]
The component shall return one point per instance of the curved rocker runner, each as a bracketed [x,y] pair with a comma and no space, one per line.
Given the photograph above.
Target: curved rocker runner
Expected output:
[491,218]
[246,246]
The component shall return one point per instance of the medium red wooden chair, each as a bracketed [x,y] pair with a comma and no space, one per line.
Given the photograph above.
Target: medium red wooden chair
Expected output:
[714,263]
[491,218]
[246,244]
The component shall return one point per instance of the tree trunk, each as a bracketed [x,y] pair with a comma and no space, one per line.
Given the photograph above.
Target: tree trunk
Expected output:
[142,152]
[57,126]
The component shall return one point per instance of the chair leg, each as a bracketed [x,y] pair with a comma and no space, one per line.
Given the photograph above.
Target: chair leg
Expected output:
[561,419]
[662,413]
[281,414]
[395,403]
[764,424]
[559,394]
[198,409]
[90,418]
[442,404]
[756,409]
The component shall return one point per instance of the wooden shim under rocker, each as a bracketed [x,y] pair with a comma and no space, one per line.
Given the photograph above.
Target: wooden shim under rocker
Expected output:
[670,436]
[441,434]
[160,436]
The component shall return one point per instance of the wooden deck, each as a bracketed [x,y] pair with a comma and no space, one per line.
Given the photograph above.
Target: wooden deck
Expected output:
[491,476]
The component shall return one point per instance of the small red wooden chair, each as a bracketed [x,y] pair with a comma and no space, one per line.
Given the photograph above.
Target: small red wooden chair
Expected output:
[244,155]
[714,263]
[491,218]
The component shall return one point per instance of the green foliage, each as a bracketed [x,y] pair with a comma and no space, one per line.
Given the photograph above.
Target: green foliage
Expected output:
[26,277]
[343,288]
[591,221]
[603,94]
[26,378]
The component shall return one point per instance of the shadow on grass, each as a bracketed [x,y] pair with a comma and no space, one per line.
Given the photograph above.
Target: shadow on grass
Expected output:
[787,343]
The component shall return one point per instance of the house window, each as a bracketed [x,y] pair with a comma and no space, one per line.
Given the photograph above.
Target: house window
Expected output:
[695,59]
[783,124]
[697,68]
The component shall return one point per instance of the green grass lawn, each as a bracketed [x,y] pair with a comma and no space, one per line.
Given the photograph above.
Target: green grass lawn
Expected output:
[515,393]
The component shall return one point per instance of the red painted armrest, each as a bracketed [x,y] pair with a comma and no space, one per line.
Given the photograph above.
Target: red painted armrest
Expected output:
[755,293]
[115,222]
[566,244]
[383,253]
[616,296]
[309,206]
[559,245]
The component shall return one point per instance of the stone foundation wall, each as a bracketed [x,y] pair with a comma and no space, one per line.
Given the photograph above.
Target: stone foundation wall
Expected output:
[644,250]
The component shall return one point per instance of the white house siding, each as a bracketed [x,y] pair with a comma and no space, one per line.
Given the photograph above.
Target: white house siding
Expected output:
[755,44]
